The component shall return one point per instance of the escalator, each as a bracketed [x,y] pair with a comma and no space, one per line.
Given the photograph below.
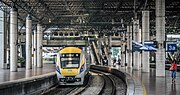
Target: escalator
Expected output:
[178,57]
[104,56]
[95,52]
[170,56]
[104,49]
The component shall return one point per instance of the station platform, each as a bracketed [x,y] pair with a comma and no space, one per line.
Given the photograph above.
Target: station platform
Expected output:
[155,85]
[151,84]
[6,75]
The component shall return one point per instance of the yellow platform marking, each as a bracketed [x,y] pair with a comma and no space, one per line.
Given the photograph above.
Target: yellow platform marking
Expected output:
[144,88]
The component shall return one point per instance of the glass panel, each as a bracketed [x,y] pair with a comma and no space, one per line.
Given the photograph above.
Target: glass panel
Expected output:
[70,60]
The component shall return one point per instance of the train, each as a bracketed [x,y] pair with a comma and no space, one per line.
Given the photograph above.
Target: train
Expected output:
[72,65]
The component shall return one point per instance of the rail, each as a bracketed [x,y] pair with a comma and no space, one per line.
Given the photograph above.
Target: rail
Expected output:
[134,87]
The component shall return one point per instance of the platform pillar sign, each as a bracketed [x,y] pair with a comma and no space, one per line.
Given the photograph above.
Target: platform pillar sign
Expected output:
[150,46]
[171,48]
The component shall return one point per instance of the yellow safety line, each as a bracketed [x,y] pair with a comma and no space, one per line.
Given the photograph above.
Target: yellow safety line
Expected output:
[144,89]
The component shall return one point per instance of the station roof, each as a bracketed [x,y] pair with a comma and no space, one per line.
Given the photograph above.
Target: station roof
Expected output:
[80,15]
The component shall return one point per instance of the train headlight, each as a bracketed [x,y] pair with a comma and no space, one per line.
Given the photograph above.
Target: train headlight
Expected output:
[82,68]
[78,79]
[62,79]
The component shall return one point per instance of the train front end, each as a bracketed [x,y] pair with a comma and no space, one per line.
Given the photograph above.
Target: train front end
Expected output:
[71,66]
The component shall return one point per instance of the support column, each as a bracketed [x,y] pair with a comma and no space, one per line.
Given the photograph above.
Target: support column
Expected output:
[129,31]
[7,41]
[39,46]
[28,42]
[136,64]
[32,50]
[122,51]
[2,36]
[140,55]
[130,46]
[13,39]
[145,37]
[160,37]
[20,37]
[35,48]
[109,50]
[126,48]
[8,58]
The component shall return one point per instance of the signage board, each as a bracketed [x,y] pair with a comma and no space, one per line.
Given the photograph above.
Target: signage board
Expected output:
[171,48]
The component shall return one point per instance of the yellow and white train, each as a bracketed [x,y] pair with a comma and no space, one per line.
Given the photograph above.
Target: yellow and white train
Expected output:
[72,65]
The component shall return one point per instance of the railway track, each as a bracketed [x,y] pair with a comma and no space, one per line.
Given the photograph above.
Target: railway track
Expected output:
[100,83]
[59,90]
[113,85]
[109,87]
[63,90]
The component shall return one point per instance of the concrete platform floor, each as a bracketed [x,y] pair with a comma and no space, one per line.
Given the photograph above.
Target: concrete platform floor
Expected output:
[156,85]
[153,85]
[6,75]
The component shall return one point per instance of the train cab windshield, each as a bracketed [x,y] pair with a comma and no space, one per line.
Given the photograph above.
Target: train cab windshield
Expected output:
[70,60]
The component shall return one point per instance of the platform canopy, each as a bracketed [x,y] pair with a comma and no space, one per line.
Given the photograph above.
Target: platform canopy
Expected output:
[86,15]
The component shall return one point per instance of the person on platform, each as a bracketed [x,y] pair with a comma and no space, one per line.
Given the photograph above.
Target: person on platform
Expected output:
[114,62]
[173,69]
[119,61]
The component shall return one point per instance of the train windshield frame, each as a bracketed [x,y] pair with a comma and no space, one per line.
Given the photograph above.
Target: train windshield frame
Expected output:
[70,60]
